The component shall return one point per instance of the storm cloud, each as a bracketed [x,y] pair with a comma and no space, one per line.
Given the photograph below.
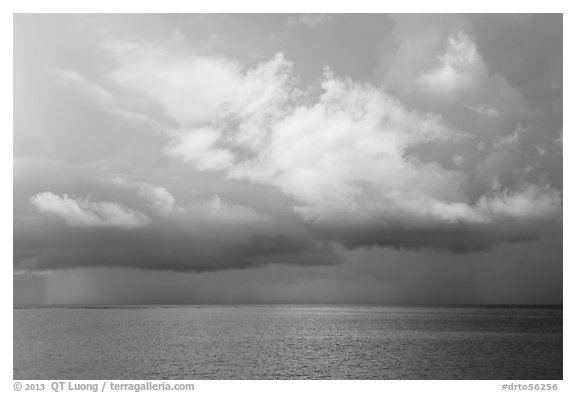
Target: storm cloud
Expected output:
[180,156]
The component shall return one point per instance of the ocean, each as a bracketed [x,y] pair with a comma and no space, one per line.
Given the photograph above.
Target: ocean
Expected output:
[288,342]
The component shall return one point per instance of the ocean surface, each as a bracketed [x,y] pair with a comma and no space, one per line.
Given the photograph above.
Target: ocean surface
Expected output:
[288,342]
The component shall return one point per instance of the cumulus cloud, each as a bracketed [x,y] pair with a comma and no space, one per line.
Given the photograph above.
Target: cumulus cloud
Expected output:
[210,210]
[200,148]
[208,232]
[529,202]
[163,202]
[501,216]
[218,211]
[196,90]
[347,154]
[433,61]
[357,163]
[206,235]
[84,212]
[215,103]
[350,159]
[440,63]
[159,198]
[459,68]
[192,147]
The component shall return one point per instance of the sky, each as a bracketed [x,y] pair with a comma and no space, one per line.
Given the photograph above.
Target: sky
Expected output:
[287,158]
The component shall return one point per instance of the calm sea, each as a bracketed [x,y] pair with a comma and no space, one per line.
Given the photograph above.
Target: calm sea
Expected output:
[288,342]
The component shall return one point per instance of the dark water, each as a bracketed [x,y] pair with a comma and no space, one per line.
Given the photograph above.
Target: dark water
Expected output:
[286,342]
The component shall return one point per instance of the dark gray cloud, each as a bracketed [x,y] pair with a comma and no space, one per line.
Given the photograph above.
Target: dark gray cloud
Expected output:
[208,234]
[461,238]
[527,273]
[160,247]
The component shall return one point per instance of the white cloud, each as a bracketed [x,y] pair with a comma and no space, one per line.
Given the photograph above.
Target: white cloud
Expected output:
[199,147]
[347,153]
[217,211]
[160,198]
[199,90]
[529,202]
[211,210]
[434,61]
[77,211]
[215,103]
[484,110]
[348,157]
[460,68]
